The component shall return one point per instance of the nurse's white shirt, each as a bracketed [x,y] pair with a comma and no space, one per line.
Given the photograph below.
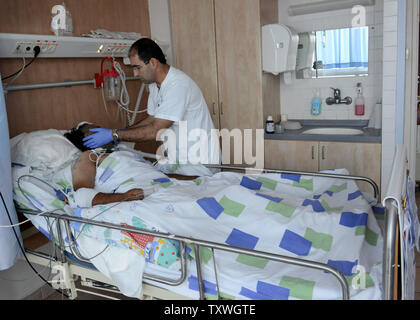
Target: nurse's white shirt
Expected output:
[180,99]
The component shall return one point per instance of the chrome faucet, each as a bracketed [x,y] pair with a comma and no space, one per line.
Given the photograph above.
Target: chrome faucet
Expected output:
[337,98]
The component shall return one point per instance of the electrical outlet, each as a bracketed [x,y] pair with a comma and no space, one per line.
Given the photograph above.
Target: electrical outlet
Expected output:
[19,47]
[25,48]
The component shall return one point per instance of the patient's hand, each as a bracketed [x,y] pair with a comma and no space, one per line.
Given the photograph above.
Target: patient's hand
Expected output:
[130,195]
[133,194]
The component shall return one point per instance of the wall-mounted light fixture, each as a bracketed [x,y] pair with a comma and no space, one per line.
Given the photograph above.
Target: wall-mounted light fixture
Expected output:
[328,5]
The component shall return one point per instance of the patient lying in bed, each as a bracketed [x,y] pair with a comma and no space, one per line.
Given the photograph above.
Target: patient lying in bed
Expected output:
[82,177]
[84,171]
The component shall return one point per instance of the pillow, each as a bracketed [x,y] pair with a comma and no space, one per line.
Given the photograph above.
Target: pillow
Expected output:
[45,148]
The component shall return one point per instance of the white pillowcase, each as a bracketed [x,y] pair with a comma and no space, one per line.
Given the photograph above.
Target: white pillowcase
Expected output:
[43,148]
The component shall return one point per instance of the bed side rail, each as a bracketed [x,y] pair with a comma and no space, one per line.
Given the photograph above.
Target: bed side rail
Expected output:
[268,170]
[303,173]
[393,210]
[197,242]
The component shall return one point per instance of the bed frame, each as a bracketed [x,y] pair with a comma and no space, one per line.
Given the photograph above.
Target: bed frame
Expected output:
[90,277]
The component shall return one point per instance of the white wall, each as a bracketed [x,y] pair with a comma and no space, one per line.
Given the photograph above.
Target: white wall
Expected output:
[160,26]
[295,99]
[389,103]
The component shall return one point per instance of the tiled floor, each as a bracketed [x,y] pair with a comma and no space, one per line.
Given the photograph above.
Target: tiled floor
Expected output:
[38,240]
[47,293]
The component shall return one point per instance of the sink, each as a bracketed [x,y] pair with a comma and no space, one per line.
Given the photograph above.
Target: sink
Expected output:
[334,131]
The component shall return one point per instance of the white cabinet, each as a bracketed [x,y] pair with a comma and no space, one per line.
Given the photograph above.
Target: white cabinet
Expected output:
[360,159]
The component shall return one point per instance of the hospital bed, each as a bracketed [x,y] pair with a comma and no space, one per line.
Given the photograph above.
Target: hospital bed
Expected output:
[200,276]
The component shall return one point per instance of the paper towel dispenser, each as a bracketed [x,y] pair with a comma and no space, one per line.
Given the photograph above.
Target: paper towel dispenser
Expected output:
[279,48]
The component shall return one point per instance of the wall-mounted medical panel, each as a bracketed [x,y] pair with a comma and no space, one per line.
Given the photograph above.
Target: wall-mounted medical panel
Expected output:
[14,45]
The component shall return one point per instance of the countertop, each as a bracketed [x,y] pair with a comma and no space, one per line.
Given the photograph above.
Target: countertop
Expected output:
[369,134]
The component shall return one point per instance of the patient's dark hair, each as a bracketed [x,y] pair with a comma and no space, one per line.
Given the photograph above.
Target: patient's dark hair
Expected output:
[76,136]
[147,49]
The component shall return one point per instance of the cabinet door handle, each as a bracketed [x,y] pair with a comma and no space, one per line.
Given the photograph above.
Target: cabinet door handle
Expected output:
[214,108]
[313,153]
[323,152]
[221,107]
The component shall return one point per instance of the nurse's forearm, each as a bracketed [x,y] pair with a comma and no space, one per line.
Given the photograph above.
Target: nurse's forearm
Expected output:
[144,133]
[142,123]
[139,134]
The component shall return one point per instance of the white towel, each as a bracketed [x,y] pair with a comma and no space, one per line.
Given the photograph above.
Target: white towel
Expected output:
[84,196]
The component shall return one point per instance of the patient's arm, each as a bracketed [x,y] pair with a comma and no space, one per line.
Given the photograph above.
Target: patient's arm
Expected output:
[83,174]
[181,177]
[130,195]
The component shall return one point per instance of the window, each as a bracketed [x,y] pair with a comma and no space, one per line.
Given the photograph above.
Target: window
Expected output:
[341,52]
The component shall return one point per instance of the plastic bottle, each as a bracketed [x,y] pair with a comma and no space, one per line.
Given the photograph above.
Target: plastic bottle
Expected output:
[284,119]
[316,104]
[269,125]
[359,109]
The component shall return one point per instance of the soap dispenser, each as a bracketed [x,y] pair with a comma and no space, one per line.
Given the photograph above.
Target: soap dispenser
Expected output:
[359,109]
[316,103]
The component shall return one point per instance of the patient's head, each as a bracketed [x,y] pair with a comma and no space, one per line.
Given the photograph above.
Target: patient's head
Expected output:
[81,131]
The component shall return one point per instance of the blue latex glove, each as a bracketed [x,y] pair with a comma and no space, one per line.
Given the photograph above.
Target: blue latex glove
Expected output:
[101,137]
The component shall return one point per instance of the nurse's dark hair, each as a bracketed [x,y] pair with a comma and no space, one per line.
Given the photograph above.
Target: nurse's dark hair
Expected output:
[147,49]
[76,136]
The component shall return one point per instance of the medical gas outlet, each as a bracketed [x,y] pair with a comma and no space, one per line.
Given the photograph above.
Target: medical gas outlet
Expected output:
[114,48]
[14,45]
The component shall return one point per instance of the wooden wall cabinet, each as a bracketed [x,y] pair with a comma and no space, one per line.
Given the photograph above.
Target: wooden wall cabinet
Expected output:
[360,159]
[218,44]
[194,47]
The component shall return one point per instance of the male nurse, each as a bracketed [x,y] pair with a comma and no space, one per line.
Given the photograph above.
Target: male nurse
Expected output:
[175,102]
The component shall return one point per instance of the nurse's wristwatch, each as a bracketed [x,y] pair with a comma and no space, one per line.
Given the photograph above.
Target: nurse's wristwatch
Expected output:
[115,136]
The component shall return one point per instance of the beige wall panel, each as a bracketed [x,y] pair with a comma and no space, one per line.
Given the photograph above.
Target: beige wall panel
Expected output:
[195,48]
[239,63]
[270,82]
